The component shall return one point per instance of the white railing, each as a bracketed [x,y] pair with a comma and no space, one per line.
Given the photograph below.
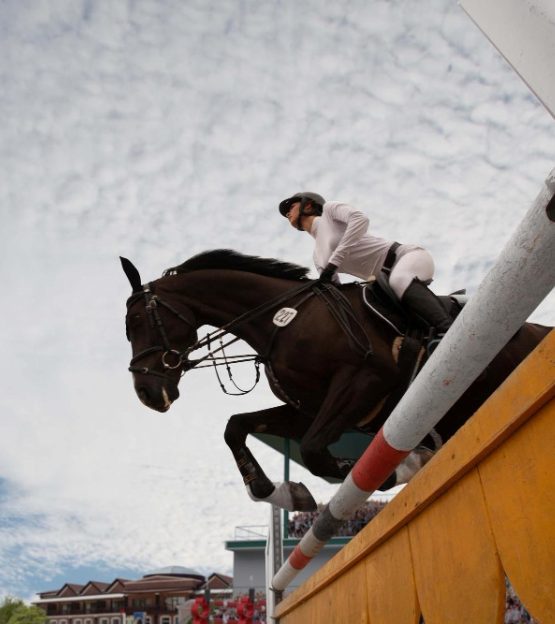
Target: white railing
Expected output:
[251,532]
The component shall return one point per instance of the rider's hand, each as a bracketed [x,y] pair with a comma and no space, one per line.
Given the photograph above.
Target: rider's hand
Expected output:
[328,273]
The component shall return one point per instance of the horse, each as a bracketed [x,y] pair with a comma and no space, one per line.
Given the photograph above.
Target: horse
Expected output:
[332,365]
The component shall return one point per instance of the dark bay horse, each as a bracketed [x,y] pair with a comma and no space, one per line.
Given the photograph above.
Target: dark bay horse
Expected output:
[327,360]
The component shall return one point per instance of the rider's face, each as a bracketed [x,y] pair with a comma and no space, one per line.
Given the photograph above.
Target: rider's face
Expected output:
[293,214]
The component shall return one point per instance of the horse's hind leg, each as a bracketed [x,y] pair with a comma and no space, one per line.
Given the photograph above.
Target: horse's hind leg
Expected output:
[352,393]
[283,421]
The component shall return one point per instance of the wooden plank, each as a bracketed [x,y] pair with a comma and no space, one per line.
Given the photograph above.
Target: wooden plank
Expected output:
[350,598]
[519,487]
[390,583]
[457,571]
[303,613]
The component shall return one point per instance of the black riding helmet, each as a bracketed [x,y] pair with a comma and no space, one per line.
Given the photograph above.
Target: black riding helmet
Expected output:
[316,200]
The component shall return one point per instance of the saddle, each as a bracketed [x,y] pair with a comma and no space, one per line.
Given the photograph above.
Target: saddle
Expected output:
[383,303]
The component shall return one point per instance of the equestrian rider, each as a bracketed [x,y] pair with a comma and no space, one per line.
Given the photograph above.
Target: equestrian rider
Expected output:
[343,243]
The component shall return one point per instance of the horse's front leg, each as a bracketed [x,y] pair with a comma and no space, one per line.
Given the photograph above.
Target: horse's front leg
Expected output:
[283,421]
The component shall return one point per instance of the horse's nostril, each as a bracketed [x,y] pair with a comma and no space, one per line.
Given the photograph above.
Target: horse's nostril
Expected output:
[142,394]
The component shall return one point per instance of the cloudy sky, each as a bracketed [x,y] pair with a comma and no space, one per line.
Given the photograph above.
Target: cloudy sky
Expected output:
[156,129]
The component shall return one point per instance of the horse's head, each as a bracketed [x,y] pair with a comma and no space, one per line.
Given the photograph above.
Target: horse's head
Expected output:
[160,334]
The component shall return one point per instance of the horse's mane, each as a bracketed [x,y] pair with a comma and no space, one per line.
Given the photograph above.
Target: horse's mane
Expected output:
[229,259]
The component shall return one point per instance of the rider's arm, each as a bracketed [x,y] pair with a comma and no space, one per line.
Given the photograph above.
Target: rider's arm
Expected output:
[357,225]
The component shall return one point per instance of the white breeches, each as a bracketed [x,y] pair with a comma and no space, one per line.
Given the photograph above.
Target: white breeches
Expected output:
[417,263]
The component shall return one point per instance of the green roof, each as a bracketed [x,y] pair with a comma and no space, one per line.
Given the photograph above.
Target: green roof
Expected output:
[351,445]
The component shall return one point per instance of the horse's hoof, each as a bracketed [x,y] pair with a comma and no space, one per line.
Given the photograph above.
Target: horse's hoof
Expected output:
[302,498]
[289,495]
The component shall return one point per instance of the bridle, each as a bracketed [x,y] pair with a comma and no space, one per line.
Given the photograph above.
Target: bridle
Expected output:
[152,304]
[335,301]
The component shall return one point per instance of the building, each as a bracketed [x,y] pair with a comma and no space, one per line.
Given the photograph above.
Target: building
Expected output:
[159,597]
[249,557]
[249,547]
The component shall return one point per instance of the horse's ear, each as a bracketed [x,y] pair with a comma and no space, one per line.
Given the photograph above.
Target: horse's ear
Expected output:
[132,274]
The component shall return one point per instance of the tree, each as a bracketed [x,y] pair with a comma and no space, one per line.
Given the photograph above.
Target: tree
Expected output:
[28,615]
[15,611]
[7,608]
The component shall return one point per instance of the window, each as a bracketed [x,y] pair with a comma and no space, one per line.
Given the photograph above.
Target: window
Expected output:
[172,602]
[104,621]
[165,619]
[116,620]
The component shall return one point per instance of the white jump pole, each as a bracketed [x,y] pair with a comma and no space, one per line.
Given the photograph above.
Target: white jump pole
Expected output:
[524,32]
[522,277]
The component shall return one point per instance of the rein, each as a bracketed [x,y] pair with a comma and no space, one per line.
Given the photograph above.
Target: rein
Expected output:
[336,302]
[210,359]
[218,334]
[341,309]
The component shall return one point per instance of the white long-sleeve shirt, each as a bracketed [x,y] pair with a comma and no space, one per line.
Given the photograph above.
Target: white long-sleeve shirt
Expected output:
[341,237]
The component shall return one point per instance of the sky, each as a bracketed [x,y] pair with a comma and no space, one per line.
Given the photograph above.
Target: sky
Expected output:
[156,129]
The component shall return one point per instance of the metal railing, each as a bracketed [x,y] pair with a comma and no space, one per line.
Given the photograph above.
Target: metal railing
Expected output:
[252,532]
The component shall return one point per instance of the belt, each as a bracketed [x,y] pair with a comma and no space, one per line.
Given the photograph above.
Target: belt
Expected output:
[390,258]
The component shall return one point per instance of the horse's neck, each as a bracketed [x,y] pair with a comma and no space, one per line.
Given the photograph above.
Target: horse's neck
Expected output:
[218,297]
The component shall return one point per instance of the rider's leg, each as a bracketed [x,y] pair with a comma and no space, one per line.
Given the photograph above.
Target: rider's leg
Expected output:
[409,278]
[422,302]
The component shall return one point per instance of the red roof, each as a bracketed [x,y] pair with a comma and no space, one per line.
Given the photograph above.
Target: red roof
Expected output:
[163,584]
[171,582]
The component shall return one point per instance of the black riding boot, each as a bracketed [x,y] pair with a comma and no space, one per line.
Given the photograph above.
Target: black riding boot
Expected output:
[422,303]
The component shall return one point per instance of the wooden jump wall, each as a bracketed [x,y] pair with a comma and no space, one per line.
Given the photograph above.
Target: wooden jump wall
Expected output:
[482,508]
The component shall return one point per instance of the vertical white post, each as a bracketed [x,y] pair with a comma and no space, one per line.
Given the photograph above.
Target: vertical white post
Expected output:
[274,557]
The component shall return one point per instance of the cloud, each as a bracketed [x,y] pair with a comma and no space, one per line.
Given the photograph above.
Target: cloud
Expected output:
[156,130]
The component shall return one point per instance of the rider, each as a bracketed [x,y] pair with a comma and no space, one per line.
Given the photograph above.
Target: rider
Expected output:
[343,243]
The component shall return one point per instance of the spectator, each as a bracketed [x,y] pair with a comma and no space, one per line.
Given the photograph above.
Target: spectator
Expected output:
[301,522]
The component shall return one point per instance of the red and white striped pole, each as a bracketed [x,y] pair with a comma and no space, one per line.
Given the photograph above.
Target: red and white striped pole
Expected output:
[522,277]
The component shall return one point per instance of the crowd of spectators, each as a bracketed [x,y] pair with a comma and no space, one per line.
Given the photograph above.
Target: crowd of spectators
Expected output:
[302,521]
[515,612]
[225,611]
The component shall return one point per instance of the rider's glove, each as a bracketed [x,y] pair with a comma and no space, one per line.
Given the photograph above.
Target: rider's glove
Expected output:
[328,273]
